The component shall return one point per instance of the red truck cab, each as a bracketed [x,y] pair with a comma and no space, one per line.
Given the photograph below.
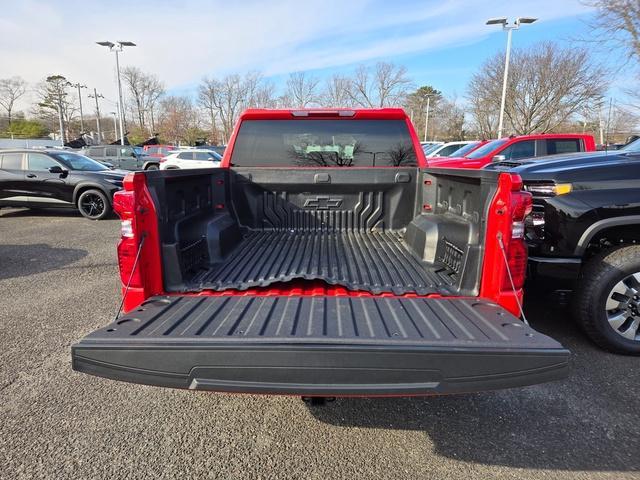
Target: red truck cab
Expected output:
[518,147]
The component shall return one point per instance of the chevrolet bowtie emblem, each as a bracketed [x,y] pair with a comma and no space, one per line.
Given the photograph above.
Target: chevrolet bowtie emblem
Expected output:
[323,203]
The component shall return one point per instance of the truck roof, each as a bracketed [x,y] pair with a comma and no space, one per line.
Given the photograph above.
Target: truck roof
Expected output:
[346,113]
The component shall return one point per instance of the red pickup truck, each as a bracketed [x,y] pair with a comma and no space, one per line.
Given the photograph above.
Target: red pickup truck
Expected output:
[518,147]
[321,259]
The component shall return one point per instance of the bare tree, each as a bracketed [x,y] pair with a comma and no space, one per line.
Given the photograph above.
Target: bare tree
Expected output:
[178,119]
[54,101]
[547,85]
[228,97]
[302,90]
[145,91]
[207,92]
[11,89]
[336,92]
[617,23]
[386,86]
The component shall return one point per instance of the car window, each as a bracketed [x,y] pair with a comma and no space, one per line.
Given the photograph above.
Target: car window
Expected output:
[462,151]
[519,150]
[323,143]
[11,161]
[185,156]
[111,152]
[73,161]
[97,152]
[204,156]
[563,146]
[487,148]
[40,162]
[448,150]
[126,151]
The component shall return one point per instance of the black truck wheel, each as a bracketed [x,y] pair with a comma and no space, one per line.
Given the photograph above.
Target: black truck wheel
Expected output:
[607,303]
[94,204]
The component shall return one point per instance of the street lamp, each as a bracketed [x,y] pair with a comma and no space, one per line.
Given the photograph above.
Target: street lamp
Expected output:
[79,86]
[426,117]
[509,29]
[117,48]
[96,96]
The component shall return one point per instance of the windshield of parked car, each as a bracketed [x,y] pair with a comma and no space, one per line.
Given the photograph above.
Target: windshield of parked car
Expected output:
[73,161]
[487,148]
[462,151]
[427,149]
[633,147]
[323,143]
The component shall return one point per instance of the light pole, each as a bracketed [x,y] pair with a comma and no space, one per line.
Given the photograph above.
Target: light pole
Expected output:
[509,29]
[117,48]
[79,86]
[96,96]
[115,126]
[426,117]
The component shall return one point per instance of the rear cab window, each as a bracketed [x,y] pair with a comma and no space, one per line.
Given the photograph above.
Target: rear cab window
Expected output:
[323,143]
[565,145]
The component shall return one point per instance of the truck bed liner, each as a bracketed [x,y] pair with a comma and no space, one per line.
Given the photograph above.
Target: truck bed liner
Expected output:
[373,261]
[339,345]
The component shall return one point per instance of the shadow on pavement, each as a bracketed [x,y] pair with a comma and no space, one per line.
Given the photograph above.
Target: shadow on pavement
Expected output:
[23,260]
[38,212]
[587,422]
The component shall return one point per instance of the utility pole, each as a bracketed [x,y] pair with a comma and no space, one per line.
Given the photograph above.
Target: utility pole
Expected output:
[79,86]
[509,29]
[118,47]
[115,125]
[96,96]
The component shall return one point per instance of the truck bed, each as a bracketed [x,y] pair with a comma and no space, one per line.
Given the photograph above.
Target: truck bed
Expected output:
[363,229]
[377,262]
[318,345]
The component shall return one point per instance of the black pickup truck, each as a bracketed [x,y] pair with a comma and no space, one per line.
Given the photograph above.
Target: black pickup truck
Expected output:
[322,259]
[584,237]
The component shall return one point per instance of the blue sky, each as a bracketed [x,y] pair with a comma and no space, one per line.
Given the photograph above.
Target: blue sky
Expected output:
[440,42]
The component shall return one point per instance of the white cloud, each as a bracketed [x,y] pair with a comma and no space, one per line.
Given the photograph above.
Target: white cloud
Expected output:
[181,43]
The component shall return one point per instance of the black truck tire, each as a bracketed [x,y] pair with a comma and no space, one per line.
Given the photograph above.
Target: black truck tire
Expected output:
[93,204]
[609,270]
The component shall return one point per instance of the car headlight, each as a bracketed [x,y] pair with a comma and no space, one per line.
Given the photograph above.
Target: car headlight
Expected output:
[548,189]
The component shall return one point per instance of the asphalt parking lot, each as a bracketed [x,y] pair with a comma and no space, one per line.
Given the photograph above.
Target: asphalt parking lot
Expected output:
[59,281]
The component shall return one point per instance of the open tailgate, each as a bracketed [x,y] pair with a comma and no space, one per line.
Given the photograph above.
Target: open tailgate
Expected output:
[317,345]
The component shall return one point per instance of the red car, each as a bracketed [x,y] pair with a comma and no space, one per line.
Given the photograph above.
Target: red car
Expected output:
[517,147]
[158,151]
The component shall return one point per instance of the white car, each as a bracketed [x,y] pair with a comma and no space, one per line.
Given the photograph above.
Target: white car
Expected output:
[446,149]
[192,158]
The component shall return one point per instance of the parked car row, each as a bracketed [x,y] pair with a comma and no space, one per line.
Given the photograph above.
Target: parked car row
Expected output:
[477,154]
[150,157]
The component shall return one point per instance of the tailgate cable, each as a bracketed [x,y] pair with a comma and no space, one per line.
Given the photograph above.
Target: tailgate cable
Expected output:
[133,270]
[513,285]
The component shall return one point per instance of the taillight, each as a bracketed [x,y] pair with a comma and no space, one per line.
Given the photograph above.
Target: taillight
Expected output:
[124,205]
[516,248]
